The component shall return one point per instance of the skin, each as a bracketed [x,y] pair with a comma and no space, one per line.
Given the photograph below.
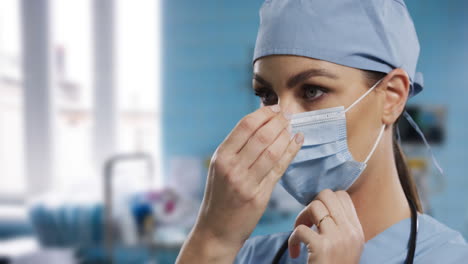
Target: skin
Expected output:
[252,158]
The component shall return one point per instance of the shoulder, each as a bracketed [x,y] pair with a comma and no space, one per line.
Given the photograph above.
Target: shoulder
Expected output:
[438,243]
[261,248]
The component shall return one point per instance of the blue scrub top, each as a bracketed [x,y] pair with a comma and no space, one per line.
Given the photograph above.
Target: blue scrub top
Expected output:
[436,243]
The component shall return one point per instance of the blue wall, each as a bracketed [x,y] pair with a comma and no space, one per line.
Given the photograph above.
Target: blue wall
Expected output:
[207,77]
[442,30]
[207,50]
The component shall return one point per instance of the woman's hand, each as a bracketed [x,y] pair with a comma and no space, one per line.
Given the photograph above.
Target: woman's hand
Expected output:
[339,239]
[242,174]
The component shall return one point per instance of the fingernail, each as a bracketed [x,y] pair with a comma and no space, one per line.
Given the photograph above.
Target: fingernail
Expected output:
[299,138]
[291,137]
[275,108]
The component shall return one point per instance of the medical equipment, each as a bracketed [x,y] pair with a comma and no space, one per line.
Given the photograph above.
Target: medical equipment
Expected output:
[108,193]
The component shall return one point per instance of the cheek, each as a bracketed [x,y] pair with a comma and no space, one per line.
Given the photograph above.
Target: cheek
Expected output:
[361,132]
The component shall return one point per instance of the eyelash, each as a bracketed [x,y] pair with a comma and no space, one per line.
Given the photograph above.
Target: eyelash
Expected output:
[262,93]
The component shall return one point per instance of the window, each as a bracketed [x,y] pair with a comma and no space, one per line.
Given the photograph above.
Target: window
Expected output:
[137,76]
[11,102]
[72,92]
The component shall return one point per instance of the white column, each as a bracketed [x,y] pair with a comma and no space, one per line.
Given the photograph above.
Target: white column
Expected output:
[104,81]
[37,95]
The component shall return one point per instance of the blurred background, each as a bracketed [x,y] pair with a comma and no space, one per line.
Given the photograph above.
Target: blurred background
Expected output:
[110,111]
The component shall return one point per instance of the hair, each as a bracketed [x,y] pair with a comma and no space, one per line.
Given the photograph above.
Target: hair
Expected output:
[406,179]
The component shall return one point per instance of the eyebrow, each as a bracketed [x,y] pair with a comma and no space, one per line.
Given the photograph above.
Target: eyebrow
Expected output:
[298,78]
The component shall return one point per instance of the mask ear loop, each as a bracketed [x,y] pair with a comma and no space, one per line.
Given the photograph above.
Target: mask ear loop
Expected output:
[383,126]
[375,144]
[364,95]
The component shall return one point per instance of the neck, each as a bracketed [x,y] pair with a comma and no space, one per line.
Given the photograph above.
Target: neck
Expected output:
[378,197]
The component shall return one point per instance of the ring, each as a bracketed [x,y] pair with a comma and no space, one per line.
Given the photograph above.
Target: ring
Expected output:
[323,218]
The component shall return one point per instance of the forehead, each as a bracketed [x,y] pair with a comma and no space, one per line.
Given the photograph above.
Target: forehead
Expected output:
[283,66]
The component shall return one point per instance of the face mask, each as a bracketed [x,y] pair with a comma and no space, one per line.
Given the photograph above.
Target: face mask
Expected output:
[324,160]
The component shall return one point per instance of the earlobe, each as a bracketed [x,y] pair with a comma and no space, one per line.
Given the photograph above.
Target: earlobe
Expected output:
[396,95]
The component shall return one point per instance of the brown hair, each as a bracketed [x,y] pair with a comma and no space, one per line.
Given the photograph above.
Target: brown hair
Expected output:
[404,174]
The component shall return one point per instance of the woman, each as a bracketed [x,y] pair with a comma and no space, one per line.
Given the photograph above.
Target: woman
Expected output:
[333,77]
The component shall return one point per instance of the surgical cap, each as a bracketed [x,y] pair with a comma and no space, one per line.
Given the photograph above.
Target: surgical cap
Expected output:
[377,35]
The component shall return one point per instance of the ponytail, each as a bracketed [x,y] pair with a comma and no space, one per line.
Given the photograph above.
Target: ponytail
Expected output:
[406,179]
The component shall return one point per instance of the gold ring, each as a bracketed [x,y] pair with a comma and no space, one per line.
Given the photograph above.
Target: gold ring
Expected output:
[323,218]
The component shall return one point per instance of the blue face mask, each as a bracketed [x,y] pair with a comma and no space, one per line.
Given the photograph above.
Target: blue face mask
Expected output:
[324,160]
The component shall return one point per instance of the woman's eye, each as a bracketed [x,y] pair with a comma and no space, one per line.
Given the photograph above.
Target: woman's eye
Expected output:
[267,97]
[313,92]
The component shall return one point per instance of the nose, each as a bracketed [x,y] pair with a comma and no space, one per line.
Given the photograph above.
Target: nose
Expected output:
[290,105]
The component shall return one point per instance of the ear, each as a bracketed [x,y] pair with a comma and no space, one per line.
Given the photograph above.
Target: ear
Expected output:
[396,90]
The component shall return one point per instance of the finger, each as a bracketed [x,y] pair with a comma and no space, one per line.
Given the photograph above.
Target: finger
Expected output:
[329,198]
[262,138]
[270,180]
[270,156]
[247,126]
[312,214]
[302,234]
[348,207]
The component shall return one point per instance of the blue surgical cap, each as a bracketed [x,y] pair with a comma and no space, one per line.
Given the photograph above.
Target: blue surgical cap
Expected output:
[377,35]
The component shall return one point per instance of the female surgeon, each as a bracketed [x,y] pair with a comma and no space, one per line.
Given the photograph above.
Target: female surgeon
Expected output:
[333,77]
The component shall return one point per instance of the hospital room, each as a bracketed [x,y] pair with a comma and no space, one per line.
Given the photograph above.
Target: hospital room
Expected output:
[252,131]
